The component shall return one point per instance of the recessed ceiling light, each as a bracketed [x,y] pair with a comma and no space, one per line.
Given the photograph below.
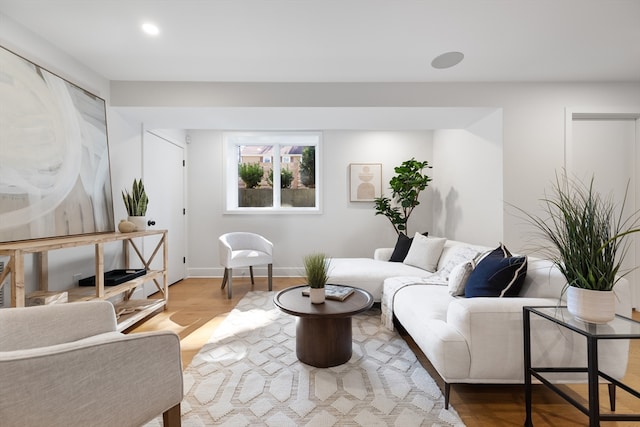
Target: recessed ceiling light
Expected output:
[150,29]
[447,60]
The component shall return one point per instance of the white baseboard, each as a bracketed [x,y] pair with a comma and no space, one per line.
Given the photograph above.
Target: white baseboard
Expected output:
[240,272]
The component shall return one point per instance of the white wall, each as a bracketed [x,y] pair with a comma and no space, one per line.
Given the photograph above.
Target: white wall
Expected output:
[468,182]
[344,228]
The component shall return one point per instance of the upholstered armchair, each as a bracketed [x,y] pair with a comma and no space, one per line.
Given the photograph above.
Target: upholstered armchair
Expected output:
[66,365]
[244,249]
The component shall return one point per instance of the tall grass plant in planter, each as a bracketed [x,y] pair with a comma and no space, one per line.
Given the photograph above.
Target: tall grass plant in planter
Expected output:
[586,235]
[316,270]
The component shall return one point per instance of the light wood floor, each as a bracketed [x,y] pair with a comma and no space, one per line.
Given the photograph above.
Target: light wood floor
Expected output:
[197,306]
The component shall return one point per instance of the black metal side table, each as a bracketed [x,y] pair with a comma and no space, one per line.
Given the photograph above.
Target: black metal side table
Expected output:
[619,328]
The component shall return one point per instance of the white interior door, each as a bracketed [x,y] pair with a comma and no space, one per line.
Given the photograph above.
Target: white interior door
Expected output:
[605,149]
[163,171]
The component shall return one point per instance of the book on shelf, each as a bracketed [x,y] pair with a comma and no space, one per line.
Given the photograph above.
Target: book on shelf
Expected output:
[334,292]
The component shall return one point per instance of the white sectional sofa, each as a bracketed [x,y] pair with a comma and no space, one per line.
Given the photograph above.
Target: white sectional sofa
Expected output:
[478,340]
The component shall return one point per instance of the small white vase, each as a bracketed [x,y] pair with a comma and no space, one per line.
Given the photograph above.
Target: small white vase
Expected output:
[316,295]
[591,306]
[139,221]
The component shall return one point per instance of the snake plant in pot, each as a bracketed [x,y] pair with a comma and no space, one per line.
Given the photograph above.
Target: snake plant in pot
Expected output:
[585,236]
[136,204]
[316,269]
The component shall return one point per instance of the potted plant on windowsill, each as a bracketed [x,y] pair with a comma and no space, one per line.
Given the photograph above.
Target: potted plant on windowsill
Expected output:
[316,269]
[586,236]
[136,204]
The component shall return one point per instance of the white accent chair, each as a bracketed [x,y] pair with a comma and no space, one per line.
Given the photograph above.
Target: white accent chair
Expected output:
[66,365]
[243,249]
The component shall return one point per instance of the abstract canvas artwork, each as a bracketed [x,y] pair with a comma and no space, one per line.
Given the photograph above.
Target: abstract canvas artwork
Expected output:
[54,156]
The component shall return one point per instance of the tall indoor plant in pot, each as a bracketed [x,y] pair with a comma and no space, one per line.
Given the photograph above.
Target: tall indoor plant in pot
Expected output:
[136,204]
[316,270]
[586,236]
[406,186]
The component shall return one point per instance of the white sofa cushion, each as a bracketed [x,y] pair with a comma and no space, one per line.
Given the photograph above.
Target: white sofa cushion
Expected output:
[425,252]
[455,256]
[458,278]
[369,274]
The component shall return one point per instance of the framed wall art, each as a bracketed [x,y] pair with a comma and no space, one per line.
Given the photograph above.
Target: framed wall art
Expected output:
[365,180]
[54,157]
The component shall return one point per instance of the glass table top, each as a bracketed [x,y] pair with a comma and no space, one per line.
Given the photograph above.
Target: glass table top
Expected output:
[620,327]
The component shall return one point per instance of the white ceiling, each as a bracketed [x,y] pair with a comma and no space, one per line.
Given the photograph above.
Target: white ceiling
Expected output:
[343,40]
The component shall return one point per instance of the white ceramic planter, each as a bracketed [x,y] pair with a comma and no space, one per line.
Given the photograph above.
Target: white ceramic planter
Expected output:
[591,306]
[139,221]
[316,295]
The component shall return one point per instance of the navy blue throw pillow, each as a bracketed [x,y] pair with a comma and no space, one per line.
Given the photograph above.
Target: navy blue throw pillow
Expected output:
[499,274]
[403,244]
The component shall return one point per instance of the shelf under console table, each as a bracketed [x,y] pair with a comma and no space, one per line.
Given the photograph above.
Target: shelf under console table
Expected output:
[129,311]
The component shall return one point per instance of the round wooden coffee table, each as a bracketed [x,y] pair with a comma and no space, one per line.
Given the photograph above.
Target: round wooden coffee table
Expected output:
[323,331]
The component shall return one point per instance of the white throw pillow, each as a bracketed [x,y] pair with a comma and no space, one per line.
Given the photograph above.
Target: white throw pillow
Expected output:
[425,252]
[458,278]
[456,256]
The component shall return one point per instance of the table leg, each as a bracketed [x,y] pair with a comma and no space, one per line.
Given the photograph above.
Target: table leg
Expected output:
[592,372]
[526,324]
[323,342]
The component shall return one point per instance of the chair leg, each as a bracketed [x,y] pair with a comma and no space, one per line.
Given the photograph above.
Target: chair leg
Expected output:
[171,417]
[230,280]
[251,274]
[270,275]
[224,279]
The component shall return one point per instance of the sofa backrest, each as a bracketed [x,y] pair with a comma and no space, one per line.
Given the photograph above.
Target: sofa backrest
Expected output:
[452,243]
[544,280]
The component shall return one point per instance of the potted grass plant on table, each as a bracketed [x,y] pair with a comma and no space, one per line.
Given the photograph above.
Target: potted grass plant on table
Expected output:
[586,236]
[316,269]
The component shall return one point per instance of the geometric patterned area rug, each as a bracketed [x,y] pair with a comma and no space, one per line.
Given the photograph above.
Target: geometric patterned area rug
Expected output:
[248,375]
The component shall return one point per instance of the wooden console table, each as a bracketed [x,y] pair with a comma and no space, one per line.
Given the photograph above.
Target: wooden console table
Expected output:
[129,311]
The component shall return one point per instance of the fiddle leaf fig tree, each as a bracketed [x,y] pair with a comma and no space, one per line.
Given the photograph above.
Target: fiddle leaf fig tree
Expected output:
[406,186]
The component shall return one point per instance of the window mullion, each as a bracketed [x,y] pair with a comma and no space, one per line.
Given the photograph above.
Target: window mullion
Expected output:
[276,176]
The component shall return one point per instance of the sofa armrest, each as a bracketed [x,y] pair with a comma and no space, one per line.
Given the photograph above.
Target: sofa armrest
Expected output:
[382,254]
[110,379]
[43,326]
[492,315]
[493,329]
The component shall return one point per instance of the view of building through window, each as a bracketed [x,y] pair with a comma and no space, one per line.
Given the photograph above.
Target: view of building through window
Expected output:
[277,175]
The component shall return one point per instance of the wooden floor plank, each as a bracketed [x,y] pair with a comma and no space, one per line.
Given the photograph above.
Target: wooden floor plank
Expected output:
[198,305]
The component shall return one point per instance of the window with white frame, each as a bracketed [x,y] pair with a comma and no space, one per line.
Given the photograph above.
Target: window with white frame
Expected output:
[272,172]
